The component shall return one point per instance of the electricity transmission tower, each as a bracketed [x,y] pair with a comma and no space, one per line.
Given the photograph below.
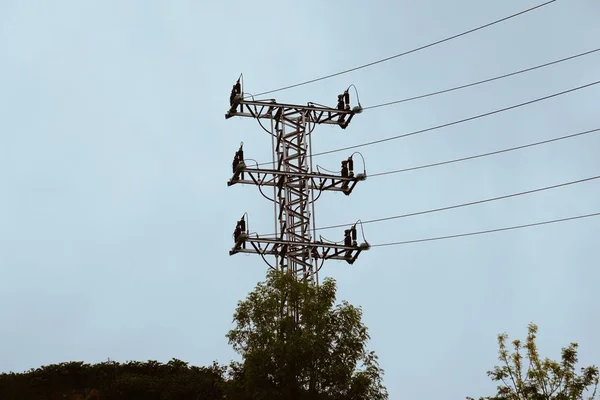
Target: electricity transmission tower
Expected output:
[294,183]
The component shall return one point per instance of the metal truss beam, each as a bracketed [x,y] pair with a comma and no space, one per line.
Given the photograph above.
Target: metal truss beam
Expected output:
[275,178]
[278,247]
[280,112]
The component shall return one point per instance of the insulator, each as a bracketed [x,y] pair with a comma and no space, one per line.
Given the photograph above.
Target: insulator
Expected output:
[242,225]
[240,154]
[350,163]
[354,233]
[347,98]
[347,238]
[278,114]
[340,104]
[236,160]
[232,96]
[344,169]
[238,87]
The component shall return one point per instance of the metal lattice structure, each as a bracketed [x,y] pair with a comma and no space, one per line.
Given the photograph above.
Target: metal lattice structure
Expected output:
[294,184]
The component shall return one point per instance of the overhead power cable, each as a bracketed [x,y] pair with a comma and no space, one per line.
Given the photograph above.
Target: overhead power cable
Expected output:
[471,203]
[455,206]
[482,81]
[397,171]
[460,121]
[487,231]
[409,51]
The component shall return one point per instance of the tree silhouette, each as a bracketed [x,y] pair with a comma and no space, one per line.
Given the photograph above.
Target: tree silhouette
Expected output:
[528,377]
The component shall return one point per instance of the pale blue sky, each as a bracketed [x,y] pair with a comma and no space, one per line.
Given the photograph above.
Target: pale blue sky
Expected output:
[116,220]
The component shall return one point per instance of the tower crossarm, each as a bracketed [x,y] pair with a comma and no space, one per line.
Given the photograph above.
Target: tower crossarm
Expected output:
[319,250]
[269,109]
[274,178]
[280,112]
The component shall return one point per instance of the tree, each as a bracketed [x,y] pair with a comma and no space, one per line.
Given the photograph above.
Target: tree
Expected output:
[110,380]
[543,379]
[323,355]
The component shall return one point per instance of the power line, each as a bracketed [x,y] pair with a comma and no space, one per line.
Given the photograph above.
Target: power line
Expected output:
[472,203]
[397,171]
[482,81]
[456,122]
[406,52]
[487,231]
[455,206]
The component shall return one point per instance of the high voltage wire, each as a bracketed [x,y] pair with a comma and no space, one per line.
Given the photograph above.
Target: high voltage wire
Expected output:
[484,154]
[482,81]
[454,122]
[407,52]
[455,206]
[462,87]
[472,203]
[486,231]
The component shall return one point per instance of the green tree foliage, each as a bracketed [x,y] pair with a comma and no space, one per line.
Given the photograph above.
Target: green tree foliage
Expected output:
[321,356]
[110,380]
[528,377]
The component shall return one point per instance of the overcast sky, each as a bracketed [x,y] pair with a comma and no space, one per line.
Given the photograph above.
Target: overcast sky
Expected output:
[116,220]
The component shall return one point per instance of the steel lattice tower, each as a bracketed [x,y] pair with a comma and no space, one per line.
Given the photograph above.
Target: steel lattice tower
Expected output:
[294,184]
